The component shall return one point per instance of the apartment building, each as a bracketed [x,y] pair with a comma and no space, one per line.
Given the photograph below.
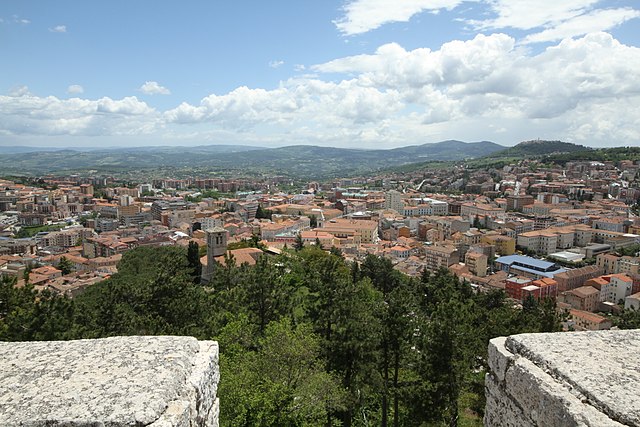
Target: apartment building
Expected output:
[571,279]
[345,228]
[477,263]
[584,298]
[437,256]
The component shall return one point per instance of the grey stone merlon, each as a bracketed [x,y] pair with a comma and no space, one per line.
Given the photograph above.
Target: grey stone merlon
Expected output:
[564,379]
[121,381]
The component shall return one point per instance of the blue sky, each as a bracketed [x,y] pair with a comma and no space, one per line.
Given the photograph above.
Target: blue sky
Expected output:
[353,73]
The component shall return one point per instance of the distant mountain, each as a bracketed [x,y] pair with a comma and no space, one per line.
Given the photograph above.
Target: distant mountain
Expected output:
[539,148]
[297,160]
[449,150]
[11,149]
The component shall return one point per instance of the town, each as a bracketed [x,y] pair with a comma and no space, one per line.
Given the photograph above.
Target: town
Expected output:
[568,233]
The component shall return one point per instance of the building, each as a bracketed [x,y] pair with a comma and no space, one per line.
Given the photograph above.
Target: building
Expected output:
[574,278]
[348,228]
[440,256]
[216,247]
[517,202]
[586,321]
[66,238]
[586,298]
[477,263]
[160,207]
[480,211]
[632,302]
[540,242]
[612,264]
[528,267]
[541,289]
[269,231]
[504,245]
[614,288]
[311,237]
[513,286]
[393,200]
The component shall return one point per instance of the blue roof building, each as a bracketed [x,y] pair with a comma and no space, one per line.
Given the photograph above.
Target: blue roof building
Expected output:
[527,266]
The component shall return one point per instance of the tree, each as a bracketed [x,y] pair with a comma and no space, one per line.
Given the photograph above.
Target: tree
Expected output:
[313,221]
[627,319]
[299,243]
[65,266]
[281,383]
[152,293]
[336,251]
[263,213]
[193,258]
[393,315]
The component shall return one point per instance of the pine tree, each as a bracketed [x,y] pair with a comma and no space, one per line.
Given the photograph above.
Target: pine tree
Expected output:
[65,266]
[193,257]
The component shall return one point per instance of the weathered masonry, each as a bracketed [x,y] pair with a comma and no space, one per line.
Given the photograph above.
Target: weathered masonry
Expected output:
[112,382]
[564,379]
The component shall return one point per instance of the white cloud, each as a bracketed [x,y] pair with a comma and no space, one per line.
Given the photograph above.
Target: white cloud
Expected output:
[75,89]
[597,20]
[275,64]
[153,88]
[455,62]
[58,29]
[298,102]
[545,20]
[527,15]
[361,16]
[586,90]
[490,77]
[19,91]
[33,115]
[19,20]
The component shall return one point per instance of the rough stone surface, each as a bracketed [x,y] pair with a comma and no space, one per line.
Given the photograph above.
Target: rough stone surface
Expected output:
[119,381]
[564,379]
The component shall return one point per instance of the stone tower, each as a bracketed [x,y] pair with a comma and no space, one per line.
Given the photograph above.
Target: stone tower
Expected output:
[216,246]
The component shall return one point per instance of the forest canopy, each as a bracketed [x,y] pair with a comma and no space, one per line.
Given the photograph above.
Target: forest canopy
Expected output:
[306,338]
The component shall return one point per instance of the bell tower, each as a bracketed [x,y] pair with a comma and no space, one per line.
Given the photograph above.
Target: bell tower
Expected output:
[216,246]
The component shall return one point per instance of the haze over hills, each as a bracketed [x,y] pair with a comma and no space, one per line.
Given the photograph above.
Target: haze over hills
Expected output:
[296,160]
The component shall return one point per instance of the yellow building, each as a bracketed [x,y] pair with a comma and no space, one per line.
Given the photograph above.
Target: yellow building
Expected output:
[504,245]
[349,228]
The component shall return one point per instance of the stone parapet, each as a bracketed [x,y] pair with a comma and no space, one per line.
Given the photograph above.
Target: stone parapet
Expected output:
[564,379]
[121,381]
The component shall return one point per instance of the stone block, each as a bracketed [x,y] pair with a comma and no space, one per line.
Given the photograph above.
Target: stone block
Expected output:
[118,381]
[564,379]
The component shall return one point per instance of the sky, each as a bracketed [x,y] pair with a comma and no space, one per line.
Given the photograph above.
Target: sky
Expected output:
[342,73]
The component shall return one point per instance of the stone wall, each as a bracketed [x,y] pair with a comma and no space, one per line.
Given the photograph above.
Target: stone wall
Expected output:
[112,382]
[564,379]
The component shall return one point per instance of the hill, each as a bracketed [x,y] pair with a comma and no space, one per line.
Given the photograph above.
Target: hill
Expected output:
[295,161]
[539,148]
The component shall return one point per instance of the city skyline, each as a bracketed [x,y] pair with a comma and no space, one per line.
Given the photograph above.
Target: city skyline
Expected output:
[361,73]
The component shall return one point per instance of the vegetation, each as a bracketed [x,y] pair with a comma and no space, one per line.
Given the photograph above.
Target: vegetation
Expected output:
[65,266]
[627,319]
[601,155]
[306,338]
[528,149]
[33,230]
[263,213]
